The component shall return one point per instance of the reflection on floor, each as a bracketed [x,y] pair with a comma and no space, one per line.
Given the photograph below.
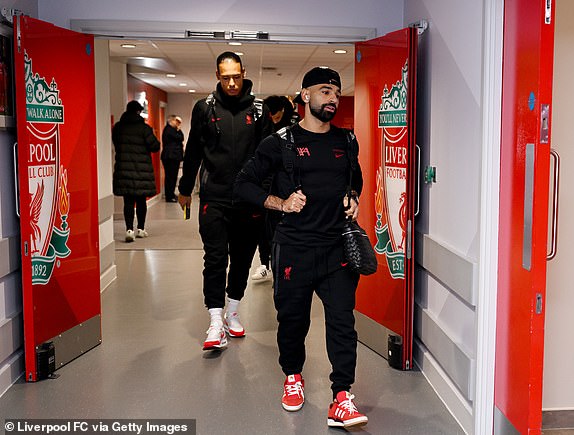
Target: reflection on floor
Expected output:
[150,364]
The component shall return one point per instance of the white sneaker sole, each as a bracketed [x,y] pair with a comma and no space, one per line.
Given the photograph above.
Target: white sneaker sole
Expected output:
[354,422]
[292,408]
[211,345]
[233,333]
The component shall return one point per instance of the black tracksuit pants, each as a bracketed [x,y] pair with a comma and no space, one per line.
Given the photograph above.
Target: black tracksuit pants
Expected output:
[229,235]
[171,169]
[298,272]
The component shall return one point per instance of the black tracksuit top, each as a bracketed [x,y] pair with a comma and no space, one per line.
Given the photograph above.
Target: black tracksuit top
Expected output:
[221,140]
[322,168]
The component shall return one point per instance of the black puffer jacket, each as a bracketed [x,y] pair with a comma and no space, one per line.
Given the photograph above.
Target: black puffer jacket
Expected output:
[222,138]
[134,142]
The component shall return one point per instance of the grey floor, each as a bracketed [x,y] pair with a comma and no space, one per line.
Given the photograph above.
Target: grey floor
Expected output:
[150,364]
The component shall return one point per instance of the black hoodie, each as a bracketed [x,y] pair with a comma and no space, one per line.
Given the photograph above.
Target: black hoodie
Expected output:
[222,138]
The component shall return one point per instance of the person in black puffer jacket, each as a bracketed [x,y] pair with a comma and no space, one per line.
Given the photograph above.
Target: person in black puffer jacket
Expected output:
[134,177]
[171,155]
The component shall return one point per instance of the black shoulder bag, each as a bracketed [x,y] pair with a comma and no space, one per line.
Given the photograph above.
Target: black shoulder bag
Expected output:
[356,244]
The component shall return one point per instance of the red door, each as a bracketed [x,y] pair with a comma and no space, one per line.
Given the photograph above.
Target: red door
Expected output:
[524,183]
[385,70]
[55,108]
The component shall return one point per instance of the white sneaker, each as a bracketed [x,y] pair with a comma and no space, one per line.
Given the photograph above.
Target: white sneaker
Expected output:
[261,273]
[130,236]
[141,234]
[233,325]
[216,338]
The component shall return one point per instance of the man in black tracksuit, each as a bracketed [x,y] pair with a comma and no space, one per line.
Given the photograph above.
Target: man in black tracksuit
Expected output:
[311,166]
[225,130]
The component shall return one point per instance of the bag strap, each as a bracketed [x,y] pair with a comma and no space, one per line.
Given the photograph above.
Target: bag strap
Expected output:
[258,108]
[288,156]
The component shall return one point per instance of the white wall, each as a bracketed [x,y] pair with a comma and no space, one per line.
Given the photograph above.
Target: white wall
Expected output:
[11,333]
[384,15]
[448,229]
[104,144]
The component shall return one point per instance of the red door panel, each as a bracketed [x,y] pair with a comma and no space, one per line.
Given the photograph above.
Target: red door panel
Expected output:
[384,124]
[55,108]
[524,183]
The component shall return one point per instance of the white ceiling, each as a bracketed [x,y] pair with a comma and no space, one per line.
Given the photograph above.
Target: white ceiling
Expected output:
[274,68]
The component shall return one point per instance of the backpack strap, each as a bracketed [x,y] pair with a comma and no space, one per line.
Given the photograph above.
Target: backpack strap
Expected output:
[258,106]
[288,155]
[353,155]
[210,114]
[353,150]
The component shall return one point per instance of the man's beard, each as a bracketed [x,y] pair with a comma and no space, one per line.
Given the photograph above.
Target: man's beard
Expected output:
[321,114]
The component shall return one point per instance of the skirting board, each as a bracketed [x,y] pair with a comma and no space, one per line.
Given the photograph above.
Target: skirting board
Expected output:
[107,277]
[555,420]
[454,401]
[11,371]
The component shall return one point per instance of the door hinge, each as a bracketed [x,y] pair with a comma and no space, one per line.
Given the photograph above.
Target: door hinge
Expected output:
[421,26]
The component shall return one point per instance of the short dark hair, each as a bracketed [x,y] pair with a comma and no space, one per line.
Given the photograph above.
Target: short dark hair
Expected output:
[134,107]
[228,55]
[273,103]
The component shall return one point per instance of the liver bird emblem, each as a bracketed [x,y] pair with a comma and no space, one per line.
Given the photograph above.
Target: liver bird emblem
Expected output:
[35,208]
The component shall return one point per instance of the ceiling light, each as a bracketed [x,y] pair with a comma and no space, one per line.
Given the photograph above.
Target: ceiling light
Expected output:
[171,76]
[239,53]
[235,43]
[191,91]
[183,84]
[128,46]
[340,51]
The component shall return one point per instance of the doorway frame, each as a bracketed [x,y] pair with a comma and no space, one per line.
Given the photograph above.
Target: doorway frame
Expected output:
[491,97]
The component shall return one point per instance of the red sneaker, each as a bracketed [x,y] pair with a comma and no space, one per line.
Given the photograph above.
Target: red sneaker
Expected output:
[343,412]
[293,396]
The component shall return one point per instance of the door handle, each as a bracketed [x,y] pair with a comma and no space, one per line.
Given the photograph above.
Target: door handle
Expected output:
[555,187]
[418,182]
[16,186]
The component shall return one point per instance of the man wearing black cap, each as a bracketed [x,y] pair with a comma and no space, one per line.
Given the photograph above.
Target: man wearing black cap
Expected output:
[311,164]
[226,127]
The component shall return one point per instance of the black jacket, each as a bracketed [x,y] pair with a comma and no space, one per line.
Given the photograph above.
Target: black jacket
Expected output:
[133,170]
[172,143]
[321,167]
[222,138]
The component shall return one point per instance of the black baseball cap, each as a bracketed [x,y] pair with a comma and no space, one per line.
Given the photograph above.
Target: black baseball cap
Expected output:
[134,106]
[318,76]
